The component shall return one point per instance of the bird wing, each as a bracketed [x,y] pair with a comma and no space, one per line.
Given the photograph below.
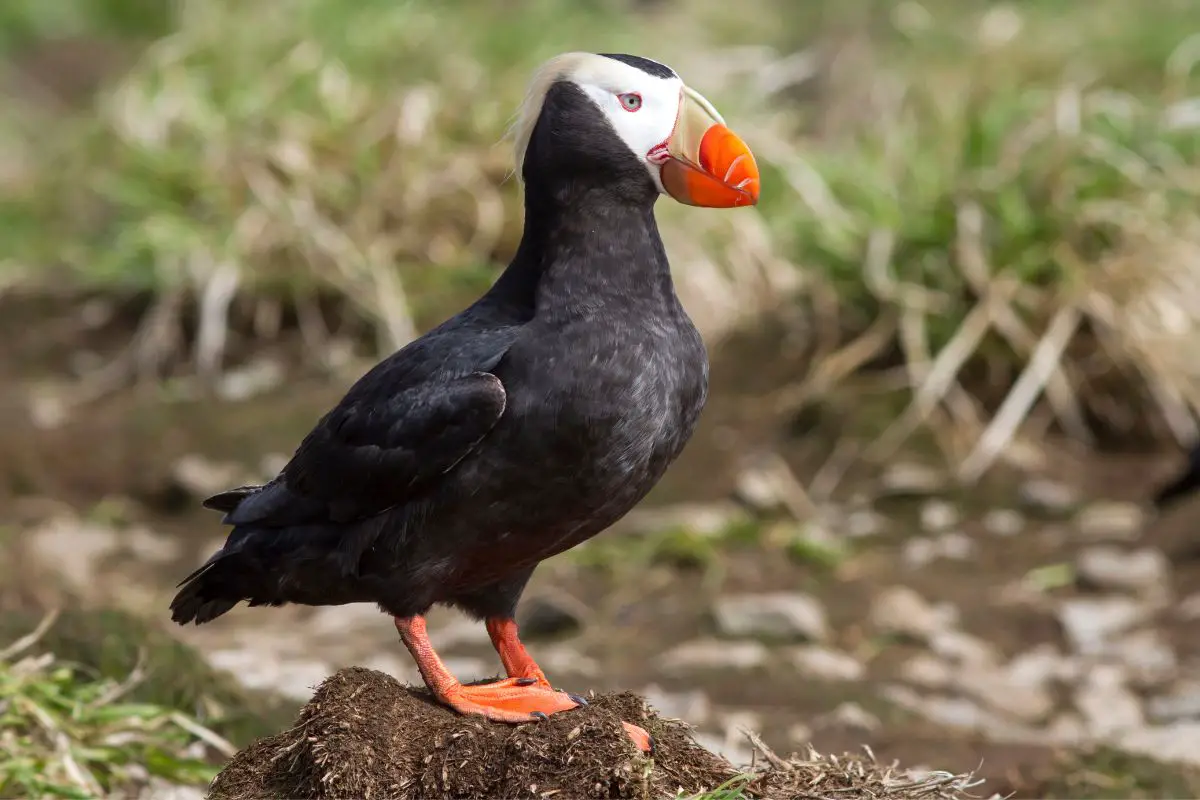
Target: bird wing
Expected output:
[372,453]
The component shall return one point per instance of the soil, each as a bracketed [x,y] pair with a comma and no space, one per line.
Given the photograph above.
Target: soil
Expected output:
[364,735]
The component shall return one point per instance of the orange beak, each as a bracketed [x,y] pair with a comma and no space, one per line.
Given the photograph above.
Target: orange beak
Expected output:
[708,164]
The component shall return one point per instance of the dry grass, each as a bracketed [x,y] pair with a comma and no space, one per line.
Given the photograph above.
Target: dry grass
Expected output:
[1004,194]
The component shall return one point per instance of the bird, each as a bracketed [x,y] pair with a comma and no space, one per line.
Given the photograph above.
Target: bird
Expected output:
[525,424]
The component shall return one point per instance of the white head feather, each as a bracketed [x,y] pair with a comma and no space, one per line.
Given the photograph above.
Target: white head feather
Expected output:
[605,80]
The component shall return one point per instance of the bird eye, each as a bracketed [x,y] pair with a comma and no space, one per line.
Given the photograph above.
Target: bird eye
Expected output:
[630,101]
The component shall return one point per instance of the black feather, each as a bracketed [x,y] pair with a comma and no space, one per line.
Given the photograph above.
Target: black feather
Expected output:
[515,430]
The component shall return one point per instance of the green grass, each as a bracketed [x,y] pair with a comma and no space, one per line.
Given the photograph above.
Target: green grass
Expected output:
[110,645]
[67,731]
[949,186]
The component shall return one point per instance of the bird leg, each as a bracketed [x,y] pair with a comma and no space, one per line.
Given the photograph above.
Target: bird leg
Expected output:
[522,669]
[517,699]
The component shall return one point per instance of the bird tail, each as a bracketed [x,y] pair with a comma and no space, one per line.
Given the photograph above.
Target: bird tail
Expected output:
[227,577]
[211,590]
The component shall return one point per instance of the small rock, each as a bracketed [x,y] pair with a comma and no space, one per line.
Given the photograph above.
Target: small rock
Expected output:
[962,648]
[1104,702]
[996,689]
[337,621]
[468,668]
[200,477]
[1182,703]
[1067,730]
[706,519]
[256,670]
[906,478]
[1178,743]
[826,664]
[158,789]
[735,746]
[766,483]
[547,617]
[799,734]
[270,465]
[458,631]
[255,378]
[775,615]
[736,752]
[565,658]
[1146,655]
[1107,568]
[919,552]
[938,516]
[850,716]
[1043,665]
[73,548]
[735,722]
[691,706]
[862,523]
[1188,608]
[97,312]
[954,712]
[399,667]
[1088,623]
[714,654]
[48,407]
[150,546]
[954,546]
[928,671]
[1110,520]
[901,611]
[1047,496]
[1003,522]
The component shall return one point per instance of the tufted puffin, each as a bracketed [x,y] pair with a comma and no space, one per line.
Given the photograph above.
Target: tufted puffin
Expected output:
[526,424]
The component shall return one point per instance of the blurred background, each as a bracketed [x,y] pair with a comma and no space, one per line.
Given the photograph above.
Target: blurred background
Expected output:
[954,352]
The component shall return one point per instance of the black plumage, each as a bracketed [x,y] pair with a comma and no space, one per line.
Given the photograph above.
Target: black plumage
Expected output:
[522,426]
[519,428]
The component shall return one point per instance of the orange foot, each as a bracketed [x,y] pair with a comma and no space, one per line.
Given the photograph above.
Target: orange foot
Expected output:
[508,700]
[524,696]
[528,699]
[641,739]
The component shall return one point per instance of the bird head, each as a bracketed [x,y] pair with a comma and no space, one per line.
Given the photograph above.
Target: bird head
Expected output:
[633,122]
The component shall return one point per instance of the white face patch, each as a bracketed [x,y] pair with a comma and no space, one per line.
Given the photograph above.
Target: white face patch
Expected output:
[641,108]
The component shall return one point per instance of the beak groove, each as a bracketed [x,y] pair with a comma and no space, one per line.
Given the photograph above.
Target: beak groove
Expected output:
[709,165]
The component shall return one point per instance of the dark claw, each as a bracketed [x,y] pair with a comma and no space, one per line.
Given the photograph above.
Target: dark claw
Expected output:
[525,681]
[577,699]
[653,746]
[538,715]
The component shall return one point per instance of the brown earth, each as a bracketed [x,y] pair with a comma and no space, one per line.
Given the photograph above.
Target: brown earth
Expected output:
[364,735]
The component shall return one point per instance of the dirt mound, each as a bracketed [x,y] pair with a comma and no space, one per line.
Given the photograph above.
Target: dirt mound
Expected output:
[364,735]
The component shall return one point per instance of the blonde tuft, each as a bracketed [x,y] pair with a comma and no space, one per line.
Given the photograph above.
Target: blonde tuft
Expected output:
[526,117]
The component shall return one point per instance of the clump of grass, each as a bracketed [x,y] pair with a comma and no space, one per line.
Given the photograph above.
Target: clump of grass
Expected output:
[993,201]
[325,146]
[111,645]
[66,732]
[1004,194]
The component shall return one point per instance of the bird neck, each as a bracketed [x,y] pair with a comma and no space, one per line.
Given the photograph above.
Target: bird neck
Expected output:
[586,249]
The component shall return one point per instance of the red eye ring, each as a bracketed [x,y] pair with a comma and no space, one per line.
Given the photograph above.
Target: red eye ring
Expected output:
[630,101]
